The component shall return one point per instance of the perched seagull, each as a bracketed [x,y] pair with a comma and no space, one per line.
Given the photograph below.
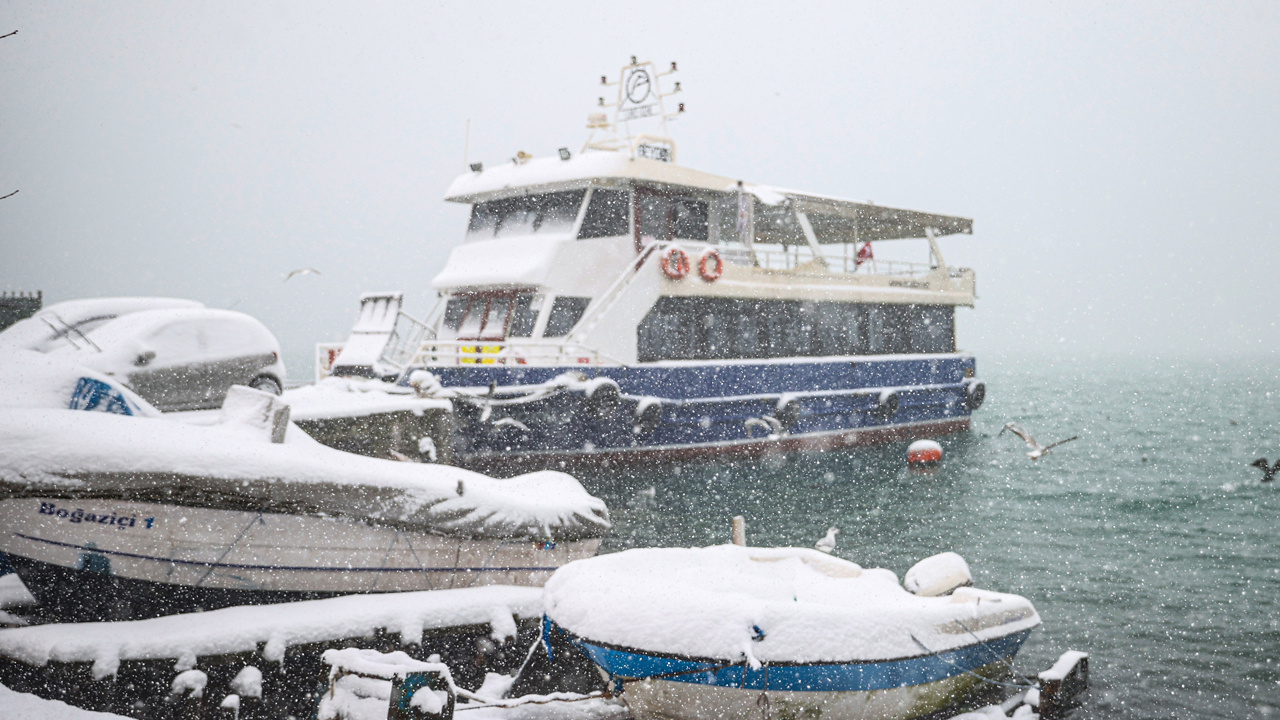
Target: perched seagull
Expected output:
[828,543]
[1268,473]
[1037,450]
[302,271]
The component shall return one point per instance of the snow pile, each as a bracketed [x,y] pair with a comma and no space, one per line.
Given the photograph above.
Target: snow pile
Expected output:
[768,605]
[360,684]
[184,638]
[35,380]
[937,575]
[22,706]
[340,397]
[63,324]
[13,593]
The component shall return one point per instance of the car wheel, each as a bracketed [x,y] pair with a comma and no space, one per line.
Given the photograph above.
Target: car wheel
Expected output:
[266,384]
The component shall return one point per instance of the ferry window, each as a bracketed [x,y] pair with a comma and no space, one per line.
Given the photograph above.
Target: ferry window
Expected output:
[690,219]
[495,319]
[933,329]
[565,313]
[524,314]
[473,320]
[525,215]
[454,310]
[608,214]
[655,216]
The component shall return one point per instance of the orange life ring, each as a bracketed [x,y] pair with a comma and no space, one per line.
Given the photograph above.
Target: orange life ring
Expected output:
[675,263]
[710,265]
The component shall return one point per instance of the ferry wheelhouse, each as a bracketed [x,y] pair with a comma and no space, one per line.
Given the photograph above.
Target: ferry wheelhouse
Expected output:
[611,304]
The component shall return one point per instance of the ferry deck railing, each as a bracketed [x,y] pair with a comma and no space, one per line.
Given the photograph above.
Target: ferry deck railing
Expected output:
[539,353]
[778,257]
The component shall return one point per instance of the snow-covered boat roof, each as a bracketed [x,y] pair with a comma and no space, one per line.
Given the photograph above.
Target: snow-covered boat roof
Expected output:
[340,397]
[47,450]
[837,220]
[716,602]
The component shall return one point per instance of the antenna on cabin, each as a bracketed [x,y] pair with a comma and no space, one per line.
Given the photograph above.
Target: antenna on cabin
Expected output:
[638,101]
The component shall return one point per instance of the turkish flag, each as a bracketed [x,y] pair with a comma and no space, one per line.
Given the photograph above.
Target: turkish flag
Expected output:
[865,254]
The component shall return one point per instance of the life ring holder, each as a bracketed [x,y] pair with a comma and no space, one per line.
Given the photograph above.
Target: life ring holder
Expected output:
[674,263]
[709,257]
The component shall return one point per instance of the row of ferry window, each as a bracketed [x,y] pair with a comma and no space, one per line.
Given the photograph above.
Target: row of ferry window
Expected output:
[661,215]
[720,328]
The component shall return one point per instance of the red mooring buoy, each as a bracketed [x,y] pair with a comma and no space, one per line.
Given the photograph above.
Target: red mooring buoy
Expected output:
[923,454]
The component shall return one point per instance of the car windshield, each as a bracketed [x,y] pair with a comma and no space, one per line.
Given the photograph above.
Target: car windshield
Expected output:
[525,215]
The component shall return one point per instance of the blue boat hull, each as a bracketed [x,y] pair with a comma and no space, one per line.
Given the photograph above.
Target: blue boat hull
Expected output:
[670,686]
[710,408]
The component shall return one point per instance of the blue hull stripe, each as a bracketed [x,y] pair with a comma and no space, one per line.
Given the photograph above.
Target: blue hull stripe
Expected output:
[837,677]
[291,568]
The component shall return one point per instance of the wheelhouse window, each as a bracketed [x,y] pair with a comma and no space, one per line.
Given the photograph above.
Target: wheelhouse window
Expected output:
[665,215]
[543,213]
[608,214]
[721,328]
[492,317]
[565,313]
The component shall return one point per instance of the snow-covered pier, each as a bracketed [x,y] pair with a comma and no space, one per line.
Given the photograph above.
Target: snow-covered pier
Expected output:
[133,667]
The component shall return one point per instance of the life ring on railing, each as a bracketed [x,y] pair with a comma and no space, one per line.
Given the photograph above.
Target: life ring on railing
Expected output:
[675,263]
[710,265]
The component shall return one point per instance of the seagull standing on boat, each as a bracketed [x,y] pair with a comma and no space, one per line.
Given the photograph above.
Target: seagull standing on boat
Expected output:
[828,543]
[1037,450]
[1268,473]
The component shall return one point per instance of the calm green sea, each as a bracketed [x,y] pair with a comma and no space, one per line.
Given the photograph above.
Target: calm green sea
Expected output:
[1149,543]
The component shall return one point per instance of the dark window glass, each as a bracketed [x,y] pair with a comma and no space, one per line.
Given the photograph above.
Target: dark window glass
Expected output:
[525,215]
[608,214]
[721,328]
[523,316]
[655,216]
[454,310]
[565,313]
[690,219]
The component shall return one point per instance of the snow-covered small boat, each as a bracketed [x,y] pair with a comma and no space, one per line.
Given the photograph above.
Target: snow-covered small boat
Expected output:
[109,510]
[728,631]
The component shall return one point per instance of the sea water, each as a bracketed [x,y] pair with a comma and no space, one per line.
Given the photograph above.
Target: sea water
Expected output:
[1149,542]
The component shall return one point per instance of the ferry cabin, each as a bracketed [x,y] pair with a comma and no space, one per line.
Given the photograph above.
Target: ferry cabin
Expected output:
[617,305]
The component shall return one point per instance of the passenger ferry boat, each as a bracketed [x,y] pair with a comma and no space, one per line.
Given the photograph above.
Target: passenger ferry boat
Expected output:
[613,305]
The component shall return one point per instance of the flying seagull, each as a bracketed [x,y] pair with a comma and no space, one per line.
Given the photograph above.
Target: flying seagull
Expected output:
[1037,450]
[828,542]
[302,271]
[1268,473]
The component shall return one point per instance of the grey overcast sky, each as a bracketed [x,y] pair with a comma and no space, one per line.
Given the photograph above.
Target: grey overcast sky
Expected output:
[1121,162]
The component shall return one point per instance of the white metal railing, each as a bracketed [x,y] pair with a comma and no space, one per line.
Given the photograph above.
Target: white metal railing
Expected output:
[454,353]
[777,257]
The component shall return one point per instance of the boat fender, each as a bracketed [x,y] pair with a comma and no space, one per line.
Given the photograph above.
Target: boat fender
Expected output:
[710,265]
[674,263]
[937,575]
[603,398]
[923,454]
[975,391]
[648,414]
[887,404]
[787,411]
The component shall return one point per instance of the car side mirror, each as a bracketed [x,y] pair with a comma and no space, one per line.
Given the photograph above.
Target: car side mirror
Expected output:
[144,358]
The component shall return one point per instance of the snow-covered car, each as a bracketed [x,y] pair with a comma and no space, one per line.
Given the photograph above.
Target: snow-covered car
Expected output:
[66,323]
[182,358]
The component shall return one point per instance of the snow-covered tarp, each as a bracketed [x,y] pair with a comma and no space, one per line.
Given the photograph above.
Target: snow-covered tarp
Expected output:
[341,397]
[185,638]
[47,450]
[768,605]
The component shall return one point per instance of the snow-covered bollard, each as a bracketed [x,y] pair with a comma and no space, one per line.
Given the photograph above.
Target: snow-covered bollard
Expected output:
[257,409]
[924,454]
[937,575]
[370,685]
